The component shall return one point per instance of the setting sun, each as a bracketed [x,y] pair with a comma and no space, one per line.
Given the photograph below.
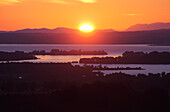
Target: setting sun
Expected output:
[86,28]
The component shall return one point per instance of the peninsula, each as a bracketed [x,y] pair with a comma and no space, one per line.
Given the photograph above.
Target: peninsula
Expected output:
[131,57]
[16,56]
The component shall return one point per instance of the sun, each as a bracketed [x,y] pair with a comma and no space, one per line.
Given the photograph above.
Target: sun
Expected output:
[86,28]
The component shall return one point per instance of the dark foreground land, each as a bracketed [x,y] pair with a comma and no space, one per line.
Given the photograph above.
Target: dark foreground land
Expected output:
[131,57]
[30,87]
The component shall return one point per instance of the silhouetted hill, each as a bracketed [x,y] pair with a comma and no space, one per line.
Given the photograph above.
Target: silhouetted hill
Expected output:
[2,31]
[56,30]
[153,26]
[56,87]
[136,37]
[107,30]
[45,30]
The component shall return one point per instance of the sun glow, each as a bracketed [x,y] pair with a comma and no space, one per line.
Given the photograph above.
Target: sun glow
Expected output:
[86,28]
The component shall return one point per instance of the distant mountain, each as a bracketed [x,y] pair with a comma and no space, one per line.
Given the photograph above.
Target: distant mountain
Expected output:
[45,30]
[107,30]
[153,26]
[154,37]
[2,31]
[56,30]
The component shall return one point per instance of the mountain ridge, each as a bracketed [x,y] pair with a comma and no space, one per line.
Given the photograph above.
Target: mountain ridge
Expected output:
[55,30]
[155,37]
[146,27]
[136,27]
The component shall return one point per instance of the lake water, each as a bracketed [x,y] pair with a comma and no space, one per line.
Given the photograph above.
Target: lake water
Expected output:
[112,50]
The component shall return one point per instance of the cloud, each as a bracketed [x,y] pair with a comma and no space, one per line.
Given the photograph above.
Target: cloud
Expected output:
[88,1]
[8,2]
[132,14]
[71,1]
[59,1]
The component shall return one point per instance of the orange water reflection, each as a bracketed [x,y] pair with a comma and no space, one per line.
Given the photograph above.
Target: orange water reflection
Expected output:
[48,58]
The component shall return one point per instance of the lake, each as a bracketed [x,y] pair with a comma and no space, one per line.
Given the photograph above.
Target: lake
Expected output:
[112,50]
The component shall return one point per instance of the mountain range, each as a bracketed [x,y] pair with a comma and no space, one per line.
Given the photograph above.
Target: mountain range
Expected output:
[156,33]
[56,30]
[152,26]
[137,27]
[45,30]
[133,37]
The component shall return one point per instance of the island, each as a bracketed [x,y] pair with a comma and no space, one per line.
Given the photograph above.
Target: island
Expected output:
[131,57]
[16,56]
[21,55]
[71,52]
[100,67]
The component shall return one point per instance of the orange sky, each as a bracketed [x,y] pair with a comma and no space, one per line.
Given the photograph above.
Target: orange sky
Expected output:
[102,14]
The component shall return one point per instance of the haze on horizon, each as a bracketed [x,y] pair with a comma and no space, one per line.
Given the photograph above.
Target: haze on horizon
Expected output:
[102,14]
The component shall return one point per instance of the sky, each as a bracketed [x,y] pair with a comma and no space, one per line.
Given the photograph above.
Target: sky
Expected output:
[101,14]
